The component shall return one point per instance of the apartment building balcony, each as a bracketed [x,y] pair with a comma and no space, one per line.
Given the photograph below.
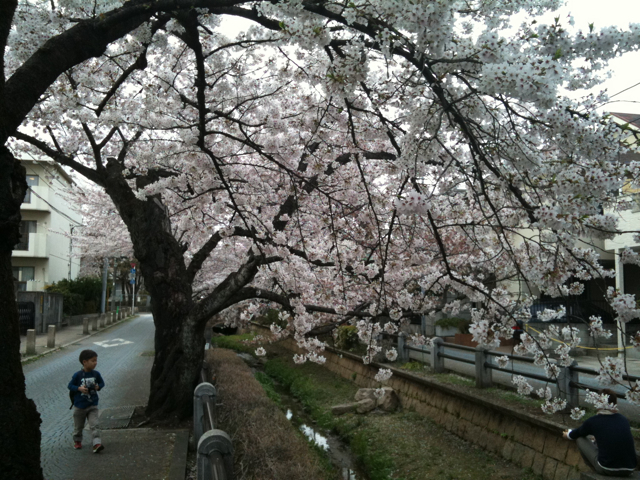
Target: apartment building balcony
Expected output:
[37,246]
[37,198]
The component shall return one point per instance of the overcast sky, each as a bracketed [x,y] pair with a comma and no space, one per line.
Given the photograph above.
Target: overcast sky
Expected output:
[626,68]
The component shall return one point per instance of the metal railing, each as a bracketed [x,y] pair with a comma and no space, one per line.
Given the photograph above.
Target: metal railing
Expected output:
[567,381]
[214,447]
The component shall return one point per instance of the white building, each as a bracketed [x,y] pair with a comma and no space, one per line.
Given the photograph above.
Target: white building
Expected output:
[44,254]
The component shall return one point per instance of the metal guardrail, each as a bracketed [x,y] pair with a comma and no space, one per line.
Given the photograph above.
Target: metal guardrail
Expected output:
[567,381]
[214,447]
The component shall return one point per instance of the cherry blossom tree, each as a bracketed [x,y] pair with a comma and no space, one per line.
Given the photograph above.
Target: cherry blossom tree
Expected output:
[347,160]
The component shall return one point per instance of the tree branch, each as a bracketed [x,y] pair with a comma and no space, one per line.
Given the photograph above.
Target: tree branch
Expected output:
[62,159]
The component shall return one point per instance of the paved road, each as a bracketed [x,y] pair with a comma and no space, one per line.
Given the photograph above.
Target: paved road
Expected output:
[126,374]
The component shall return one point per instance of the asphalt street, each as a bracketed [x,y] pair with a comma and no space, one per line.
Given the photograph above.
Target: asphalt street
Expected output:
[124,360]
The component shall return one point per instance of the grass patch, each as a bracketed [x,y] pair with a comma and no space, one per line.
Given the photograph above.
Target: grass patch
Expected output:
[513,397]
[453,379]
[316,387]
[269,387]
[413,366]
[235,342]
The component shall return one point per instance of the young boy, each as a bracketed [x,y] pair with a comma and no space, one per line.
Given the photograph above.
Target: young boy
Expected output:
[86,384]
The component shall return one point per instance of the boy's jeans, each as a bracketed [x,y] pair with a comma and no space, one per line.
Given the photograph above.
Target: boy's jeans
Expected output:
[89,414]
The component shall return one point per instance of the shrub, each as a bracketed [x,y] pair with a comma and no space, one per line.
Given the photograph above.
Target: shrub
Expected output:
[454,322]
[346,337]
[82,295]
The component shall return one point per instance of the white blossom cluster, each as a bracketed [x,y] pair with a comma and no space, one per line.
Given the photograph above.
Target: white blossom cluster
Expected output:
[596,328]
[600,401]
[383,375]
[624,304]
[611,371]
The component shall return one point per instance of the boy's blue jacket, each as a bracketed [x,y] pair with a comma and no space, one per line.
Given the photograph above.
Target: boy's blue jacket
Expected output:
[85,379]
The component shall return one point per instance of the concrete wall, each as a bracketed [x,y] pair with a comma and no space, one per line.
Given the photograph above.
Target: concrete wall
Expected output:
[523,439]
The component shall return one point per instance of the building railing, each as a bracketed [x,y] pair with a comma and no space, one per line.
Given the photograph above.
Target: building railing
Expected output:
[567,381]
[214,448]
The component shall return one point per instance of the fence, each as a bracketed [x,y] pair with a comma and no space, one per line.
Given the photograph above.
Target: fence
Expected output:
[47,309]
[214,447]
[567,381]
[26,316]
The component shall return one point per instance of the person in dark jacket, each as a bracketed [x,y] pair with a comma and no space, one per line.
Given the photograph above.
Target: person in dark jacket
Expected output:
[86,384]
[614,452]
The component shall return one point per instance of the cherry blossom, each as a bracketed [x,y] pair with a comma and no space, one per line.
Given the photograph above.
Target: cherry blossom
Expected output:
[358,163]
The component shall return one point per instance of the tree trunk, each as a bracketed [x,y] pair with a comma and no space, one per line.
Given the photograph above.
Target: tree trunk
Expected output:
[19,419]
[179,343]
[176,367]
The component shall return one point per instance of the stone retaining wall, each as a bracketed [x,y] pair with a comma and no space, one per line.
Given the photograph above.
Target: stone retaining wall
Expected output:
[523,439]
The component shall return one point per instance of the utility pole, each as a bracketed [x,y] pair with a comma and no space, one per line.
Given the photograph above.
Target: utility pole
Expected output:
[113,290]
[132,280]
[71,227]
[70,249]
[105,272]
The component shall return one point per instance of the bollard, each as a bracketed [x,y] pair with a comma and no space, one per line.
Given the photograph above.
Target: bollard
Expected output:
[51,337]
[566,391]
[85,326]
[101,320]
[31,342]
[110,318]
[437,362]
[199,426]
[403,353]
[94,324]
[215,456]
[483,372]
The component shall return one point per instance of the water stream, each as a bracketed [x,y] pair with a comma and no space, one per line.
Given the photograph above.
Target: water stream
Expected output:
[337,451]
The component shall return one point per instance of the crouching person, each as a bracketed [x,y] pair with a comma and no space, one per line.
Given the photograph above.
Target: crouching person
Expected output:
[614,452]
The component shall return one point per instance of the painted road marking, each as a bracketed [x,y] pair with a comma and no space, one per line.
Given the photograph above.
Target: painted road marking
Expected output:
[114,342]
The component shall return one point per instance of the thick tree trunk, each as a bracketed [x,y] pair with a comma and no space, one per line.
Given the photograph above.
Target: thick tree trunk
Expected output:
[179,344]
[19,419]
[178,361]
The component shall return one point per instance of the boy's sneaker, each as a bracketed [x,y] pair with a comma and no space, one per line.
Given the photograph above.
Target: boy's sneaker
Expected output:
[97,448]
[77,445]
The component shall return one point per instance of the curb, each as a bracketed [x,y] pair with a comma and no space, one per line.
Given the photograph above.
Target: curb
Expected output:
[34,358]
[179,458]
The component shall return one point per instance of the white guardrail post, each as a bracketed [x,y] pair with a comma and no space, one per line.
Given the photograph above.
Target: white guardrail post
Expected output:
[403,353]
[215,456]
[565,390]
[483,373]
[199,426]
[437,362]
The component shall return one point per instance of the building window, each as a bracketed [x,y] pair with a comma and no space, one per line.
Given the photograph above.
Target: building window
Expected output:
[22,275]
[26,227]
[32,181]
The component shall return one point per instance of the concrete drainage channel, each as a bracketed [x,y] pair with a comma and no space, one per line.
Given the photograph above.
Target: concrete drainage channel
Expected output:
[338,452]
